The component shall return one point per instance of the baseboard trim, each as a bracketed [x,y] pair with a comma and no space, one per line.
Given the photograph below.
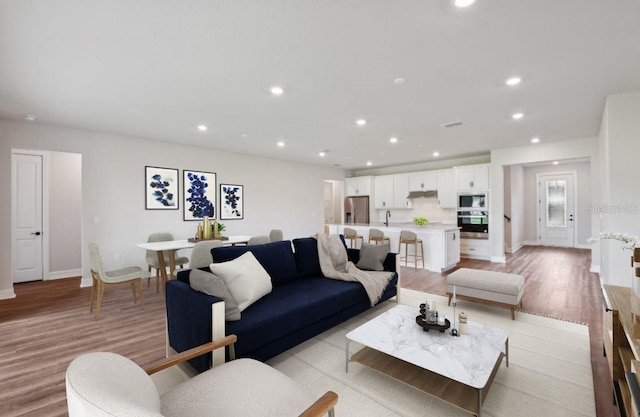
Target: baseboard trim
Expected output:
[499,259]
[595,269]
[7,294]
[516,248]
[86,282]
[64,274]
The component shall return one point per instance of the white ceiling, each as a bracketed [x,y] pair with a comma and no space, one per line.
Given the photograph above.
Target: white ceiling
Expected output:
[157,69]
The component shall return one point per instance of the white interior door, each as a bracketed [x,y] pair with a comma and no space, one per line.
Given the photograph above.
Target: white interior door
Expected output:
[556,222]
[27,217]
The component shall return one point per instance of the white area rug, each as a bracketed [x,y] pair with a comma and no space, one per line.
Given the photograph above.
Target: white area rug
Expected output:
[549,371]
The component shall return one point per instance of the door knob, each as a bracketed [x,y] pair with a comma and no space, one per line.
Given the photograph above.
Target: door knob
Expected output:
[36,233]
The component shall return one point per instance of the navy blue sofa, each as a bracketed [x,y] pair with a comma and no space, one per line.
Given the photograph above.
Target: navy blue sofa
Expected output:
[302,304]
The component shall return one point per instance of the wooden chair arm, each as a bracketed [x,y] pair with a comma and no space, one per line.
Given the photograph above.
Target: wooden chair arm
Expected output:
[192,353]
[322,406]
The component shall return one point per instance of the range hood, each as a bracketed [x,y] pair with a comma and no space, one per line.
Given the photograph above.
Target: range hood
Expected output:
[422,194]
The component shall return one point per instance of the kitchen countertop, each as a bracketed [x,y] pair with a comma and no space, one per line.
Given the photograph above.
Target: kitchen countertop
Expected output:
[431,226]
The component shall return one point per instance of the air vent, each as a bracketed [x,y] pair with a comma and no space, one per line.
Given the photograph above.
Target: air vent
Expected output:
[453,124]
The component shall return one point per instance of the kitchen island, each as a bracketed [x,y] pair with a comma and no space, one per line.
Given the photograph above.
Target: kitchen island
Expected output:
[441,241]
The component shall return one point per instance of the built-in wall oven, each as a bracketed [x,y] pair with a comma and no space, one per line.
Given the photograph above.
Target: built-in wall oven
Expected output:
[473,215]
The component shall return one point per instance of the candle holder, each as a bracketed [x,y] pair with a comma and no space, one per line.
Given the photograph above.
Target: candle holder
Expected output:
[454,332]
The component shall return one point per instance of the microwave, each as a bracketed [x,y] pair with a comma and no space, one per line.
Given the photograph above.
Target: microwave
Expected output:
[469,201]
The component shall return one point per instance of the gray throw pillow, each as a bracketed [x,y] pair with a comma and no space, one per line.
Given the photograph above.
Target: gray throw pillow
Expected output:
[211,284]
[372,257]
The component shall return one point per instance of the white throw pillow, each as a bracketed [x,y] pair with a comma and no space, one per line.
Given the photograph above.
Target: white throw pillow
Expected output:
[246,279]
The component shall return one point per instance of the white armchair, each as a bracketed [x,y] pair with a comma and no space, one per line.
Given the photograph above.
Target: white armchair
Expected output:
[104,383]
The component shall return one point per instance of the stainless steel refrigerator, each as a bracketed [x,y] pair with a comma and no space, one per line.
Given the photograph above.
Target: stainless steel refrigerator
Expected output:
[356,210]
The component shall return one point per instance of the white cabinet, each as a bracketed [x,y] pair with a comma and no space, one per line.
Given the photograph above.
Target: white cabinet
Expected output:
[472,177]
[401,191]
[447,195]
[423,181]
[452,252]
[391,191]
[475,248]
[357,186]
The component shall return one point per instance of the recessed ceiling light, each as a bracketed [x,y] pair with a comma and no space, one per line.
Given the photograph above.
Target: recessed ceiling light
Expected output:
[361,122]
[517,116]
[436,154]
[244,135]
[400,80]
[202,128]
[29,118]
[276,90]
[535,140]
[322,153]
[393,140]
[369,163]
[463,3]
[513,81]
[555,162]
[280,144]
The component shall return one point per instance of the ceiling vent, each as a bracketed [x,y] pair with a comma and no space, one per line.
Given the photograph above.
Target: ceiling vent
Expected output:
[453,124]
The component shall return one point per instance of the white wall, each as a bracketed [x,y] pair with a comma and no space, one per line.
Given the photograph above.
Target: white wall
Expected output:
[541,152]
[619,209]
[582,216]
[65,214]
[507,210]
[278,194]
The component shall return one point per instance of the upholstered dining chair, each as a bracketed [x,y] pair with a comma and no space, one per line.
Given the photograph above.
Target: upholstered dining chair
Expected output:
[108,384]
[276,235]
[101,278]
[377,236]
[258,240]
[152,257]
[201,254]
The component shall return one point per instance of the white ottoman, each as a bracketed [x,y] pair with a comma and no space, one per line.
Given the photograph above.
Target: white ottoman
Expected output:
[498,288]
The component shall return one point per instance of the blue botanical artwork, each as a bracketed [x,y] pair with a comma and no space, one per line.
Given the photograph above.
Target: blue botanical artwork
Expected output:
[199,195]
[232,202]
[161,188]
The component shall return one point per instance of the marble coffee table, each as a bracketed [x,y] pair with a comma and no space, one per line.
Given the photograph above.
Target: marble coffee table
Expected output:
[458,370]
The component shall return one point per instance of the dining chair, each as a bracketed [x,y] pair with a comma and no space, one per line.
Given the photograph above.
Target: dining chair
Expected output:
[258,240]
[101,278]
[201,254]
[275,235]
[152,257]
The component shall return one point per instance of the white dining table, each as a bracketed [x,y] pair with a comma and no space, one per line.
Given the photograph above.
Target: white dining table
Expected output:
[172,246]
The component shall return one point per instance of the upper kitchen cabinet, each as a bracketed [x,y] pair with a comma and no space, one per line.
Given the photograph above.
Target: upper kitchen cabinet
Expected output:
[423,181]
[391,191]
[447,195]
[358,186]
[472,177]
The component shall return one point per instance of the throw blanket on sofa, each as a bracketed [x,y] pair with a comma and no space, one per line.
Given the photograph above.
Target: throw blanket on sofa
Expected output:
[335,264]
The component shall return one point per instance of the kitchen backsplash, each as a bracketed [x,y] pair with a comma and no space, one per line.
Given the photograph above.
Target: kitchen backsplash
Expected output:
[422,207]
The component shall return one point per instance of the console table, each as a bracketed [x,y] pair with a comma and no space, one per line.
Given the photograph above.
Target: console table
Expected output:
[621,338]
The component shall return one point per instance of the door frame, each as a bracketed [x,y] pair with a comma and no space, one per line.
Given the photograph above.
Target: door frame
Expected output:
[45,207]
[574,176]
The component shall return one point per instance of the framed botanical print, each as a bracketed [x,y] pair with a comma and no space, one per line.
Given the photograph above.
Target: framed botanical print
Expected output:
[199,195]
[231,202]
[161,188]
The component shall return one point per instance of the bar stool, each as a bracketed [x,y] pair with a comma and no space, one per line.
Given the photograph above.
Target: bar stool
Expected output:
[377,235]
[410,238]
[352,236]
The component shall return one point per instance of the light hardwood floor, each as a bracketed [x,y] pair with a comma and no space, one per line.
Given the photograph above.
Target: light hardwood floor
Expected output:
[48,324]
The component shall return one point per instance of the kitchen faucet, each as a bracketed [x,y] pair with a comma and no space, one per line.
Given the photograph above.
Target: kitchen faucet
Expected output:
[386,218]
